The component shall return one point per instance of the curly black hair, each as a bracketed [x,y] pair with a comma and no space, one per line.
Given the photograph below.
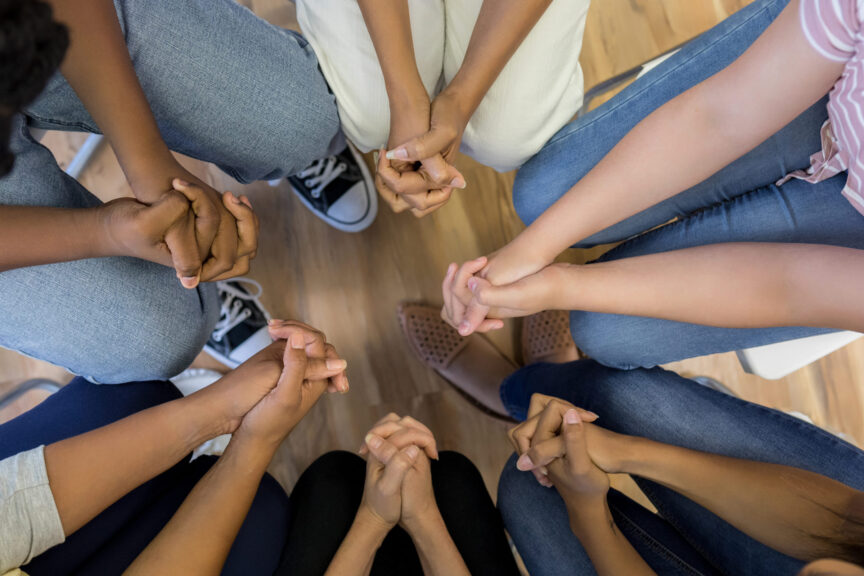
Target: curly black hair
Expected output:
[32,46]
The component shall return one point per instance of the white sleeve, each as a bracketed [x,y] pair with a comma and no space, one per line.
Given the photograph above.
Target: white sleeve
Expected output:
[29,521]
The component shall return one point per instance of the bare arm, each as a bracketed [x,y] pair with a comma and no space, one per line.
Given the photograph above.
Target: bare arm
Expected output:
[735,285]
[357,551]
[438,553]
[501,27]
[99,69]
[132,449]
[703,129]
[794,511]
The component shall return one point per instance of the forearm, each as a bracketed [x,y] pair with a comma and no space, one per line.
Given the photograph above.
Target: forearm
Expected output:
[358,549]
[99,69]
[389,25]
[692,136]
[793,511]
[31,235]
[740,285]
[200,534]
[438,553]
[501,27]
[610,552]
[91,471]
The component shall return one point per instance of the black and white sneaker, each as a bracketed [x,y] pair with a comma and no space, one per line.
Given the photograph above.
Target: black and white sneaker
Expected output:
[242,328]
[339,190]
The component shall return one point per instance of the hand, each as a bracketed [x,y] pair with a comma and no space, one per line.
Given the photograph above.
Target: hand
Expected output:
[418,498]
[447,122]
[405,185]
[281,409]
[163,232]
[538,441]
[505,266]
[236,393]
[386,468]
[576,477]
[219,240]
[529,295]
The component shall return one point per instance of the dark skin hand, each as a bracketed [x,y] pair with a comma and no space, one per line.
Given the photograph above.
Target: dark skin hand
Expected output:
[99,69]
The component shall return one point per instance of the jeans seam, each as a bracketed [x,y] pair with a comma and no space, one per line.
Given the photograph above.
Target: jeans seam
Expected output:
[656,544]
[642,91]
[680,220]
[81,125]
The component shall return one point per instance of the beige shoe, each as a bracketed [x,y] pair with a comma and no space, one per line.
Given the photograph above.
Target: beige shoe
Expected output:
[472,365]
[546,338]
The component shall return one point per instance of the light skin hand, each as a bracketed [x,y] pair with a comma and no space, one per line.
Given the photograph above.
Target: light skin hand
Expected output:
[458,297]
[403,431]
[386,468]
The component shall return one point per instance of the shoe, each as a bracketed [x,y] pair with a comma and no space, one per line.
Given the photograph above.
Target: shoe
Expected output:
[472,365]
[339,190]
[242,328]
[546,337]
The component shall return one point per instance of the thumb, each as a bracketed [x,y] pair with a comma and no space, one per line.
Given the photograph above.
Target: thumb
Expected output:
[294,368]
[491,296]
[575,447]
[429,144]
[180,237]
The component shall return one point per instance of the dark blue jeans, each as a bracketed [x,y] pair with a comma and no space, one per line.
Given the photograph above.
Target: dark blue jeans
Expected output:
[112,540]
[684,538]
[738,204]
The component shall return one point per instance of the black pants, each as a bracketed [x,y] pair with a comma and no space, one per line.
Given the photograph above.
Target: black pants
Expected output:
[327,496]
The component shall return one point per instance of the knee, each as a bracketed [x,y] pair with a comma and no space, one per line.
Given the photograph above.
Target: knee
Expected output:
[453,472]
[336,472]
[160,335]
[608,339]
[513,489]
[497,144]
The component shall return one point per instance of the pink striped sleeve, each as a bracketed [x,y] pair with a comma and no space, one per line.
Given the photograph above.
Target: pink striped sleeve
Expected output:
[831,26]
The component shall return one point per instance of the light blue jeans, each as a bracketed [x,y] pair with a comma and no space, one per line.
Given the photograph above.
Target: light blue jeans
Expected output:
[738,204]
[225,87]
[685,538]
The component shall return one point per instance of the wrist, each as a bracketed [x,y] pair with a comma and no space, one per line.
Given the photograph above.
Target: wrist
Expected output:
[587,513]
[423,522]
[151,172]
[407,98]
[253,455]
[464,101]
[370,522]
[199,422]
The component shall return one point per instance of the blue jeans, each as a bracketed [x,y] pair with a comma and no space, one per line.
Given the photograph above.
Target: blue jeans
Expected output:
[112,540]
[225,87]
[684,538]
[740,203]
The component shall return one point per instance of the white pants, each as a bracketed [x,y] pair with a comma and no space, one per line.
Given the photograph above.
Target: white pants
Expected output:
[539,90]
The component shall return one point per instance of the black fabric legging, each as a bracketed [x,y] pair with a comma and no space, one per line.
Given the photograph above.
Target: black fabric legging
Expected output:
[327,496]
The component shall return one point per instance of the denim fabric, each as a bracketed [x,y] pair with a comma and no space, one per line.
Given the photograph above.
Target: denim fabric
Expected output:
[740,203]
[112,540]
[665,407]
[225,87]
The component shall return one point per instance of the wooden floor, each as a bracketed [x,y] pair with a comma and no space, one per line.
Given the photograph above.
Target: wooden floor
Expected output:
[349,285]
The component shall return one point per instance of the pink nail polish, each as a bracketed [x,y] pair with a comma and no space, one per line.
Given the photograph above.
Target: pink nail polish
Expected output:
[524,463]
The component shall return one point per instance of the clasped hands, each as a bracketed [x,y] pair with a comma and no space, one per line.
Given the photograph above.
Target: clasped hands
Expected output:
[418,172]
[181,222]
[398,487]
[262,400]
[559,444]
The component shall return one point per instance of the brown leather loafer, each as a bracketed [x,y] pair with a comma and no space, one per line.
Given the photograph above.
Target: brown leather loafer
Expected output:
[472,365]
[546,338]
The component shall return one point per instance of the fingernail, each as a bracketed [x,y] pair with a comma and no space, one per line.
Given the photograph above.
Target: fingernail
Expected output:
[589,413]
[412,452]
[372,441]
[458,182]
[336,364]
[464,328]
[472,284]
[189,281]
[344,389]
[545,482]
[273,322]
[297,341]
[234,199]
[572,417]
[181,182]
[524,463]
[397,154]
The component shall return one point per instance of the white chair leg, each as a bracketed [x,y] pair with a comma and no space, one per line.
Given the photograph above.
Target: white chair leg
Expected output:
[76,167]
[775,361]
